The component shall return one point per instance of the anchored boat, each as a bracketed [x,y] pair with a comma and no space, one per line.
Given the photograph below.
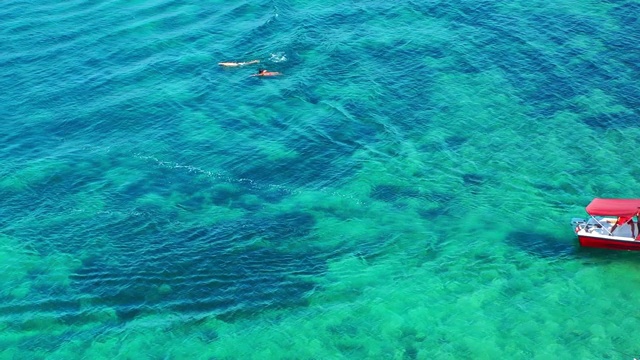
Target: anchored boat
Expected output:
[610,225]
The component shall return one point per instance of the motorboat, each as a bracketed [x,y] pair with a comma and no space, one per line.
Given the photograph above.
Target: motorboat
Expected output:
[610,225]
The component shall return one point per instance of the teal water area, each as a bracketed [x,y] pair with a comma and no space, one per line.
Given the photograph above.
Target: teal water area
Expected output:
[402,191]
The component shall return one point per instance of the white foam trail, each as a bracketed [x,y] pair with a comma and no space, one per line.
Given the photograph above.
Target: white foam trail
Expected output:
[278,57]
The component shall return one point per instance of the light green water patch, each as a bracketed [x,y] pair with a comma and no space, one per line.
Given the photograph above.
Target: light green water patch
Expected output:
[387,309]
[25,275]
[355,319]
[405,175]
[277,150]
[589,48]
[439,63]
[333,108]
[121,178]
[344,221]
[599,102]
[18,259]
[145,338]
[493,125]
[590,159]
[481,101]
[494,132]
[444,316]
[210,211]
[373,231]
[35,173]
[176,91]
[406,31]
[386,170]
[17,182]
[354,91]
[143,26]
[55,269]
[200,126]
[341,202]
[151,336]
[197,56]
[335,233]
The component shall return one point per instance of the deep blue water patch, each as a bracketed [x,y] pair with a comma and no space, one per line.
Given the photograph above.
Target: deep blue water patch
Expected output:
[611,121]
[203,270]
[629,95]
[430,213]
[626,14]
[316,152]
[560,28]
[303,91]
[530,69]
[459,11]
[595,71]
[473,179]
[390,193]
[541,245]
[454,142]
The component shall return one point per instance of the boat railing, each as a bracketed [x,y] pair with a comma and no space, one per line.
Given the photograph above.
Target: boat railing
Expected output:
[592,225]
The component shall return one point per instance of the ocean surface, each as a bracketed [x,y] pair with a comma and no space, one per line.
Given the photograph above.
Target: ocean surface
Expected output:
[402,191]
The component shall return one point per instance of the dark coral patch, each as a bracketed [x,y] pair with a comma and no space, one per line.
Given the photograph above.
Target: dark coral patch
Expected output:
[455,141]
[216,270]
[540,245]
[607,121]
[390,193]
[473,179]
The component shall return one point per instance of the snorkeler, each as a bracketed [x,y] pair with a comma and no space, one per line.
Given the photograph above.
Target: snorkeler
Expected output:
[264,72]
[234,64]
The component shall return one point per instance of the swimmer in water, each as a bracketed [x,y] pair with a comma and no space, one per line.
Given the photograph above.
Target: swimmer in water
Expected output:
[235,64]
[264,72]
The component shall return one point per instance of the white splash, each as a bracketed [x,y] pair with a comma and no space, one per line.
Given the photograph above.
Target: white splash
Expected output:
[278,57]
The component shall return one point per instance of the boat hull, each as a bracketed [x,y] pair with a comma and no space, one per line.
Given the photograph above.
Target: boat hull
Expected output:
[608,243]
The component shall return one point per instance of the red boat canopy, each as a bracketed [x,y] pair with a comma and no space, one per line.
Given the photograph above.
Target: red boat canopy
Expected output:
[627,208]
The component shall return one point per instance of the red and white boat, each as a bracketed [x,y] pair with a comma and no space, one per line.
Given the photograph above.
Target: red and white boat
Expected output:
[599,230]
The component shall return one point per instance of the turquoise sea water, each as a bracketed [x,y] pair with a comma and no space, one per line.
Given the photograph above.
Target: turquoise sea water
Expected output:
[403,191]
